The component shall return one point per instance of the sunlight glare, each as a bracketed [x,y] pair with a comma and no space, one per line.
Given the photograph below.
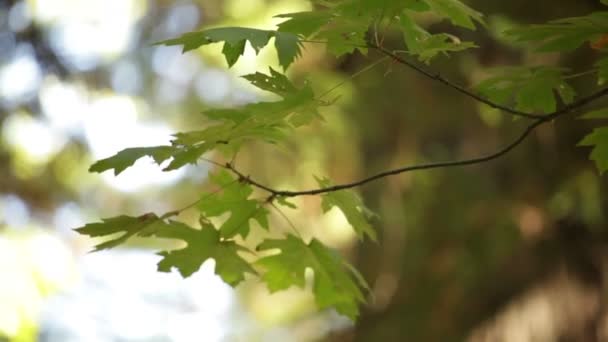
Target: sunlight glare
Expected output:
[110,126]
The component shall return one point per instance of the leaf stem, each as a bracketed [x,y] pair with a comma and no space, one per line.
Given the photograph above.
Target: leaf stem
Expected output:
[290,223]
[353,76]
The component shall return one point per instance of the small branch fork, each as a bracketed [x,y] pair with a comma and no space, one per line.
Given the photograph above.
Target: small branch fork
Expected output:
[537,120]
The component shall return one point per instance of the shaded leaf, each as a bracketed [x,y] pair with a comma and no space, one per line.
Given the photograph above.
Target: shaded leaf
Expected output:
[531,88]
[345,35]
[563,34]
[599,154]
[597,114]
[426,45]
[457,12]
[602,73]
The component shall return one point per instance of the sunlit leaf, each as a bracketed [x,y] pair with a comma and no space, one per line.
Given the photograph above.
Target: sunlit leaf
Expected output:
[127,157]
[202,244]
[345,36]
[287,44]
[128,225]
[233,200]
[351,206]
[275,82]
[284,202]
[304,23]
[264,118]
[335,285]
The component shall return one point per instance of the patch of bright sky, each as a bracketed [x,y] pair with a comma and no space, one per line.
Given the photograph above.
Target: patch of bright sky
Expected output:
[181,18]
[14,212]
[108,122]
[20,78]
[87,32]
[19,17]
[177,71]
[213,86]
[121,296]
[64,105]
[32,137]
[37,264]
[126,77]
[111,125]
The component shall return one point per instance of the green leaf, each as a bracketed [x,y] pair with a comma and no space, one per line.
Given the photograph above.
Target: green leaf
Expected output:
[233,199]
[597,114]
[602,73]
[412,33]
[276,82]
[232,52]
[599,140]
[188,155]
[416,5]
[351,206]
[288,45]
[202,244]
[128,225]
[127,157]
[426,45]
[457,12]
[266,119]
[284,202]
[563,34]
[345,35]
[335,284]
[532,88]
[304,23]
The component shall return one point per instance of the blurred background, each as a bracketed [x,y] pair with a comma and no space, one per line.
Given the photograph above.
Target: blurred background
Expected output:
[512,250]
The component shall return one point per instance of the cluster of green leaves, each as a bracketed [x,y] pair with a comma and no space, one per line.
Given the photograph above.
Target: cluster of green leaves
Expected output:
[530,88]
[536,88]
[347,26]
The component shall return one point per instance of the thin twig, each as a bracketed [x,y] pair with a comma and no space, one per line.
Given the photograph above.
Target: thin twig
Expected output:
[437,77]
[537,122]
[353,76]
[538,119]
[457,87]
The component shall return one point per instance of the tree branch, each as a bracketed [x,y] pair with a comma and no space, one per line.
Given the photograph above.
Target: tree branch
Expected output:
[457,87]
[538,120]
